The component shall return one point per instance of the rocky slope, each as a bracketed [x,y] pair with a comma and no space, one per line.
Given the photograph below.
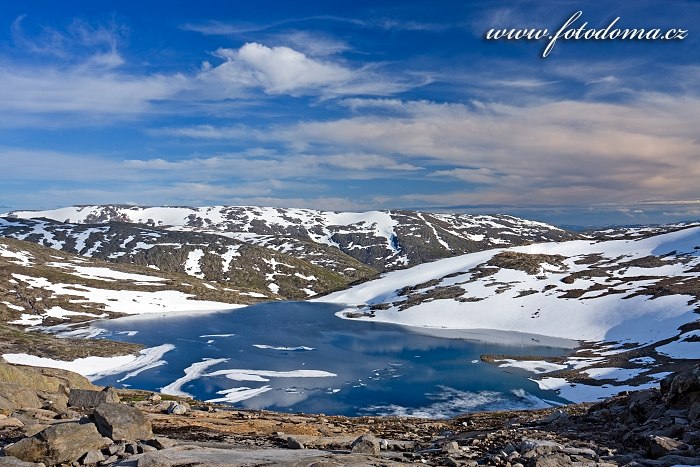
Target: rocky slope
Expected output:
[382,240]
[42,286]
[292,273]
[70,422]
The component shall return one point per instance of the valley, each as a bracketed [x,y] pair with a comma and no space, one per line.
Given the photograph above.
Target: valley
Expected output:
[627,296]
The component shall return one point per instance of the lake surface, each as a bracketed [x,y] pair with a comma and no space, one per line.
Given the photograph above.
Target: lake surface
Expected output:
[300,357]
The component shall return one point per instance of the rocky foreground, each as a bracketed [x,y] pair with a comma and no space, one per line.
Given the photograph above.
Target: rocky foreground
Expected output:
[54,417]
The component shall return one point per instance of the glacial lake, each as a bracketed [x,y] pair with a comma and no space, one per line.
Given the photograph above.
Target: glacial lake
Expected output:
[300,357]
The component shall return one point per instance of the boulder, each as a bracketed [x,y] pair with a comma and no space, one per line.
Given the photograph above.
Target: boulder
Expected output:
[177,408]
[682,388]
[660,446]
[293,443]
[694,412]
[65,442]
[145,448]
[160,442]
[122,422]
[90,399]
[553,460]
[366,444]
[538,447]
[558,416]
[9,461]
[56,401]
[51,380]
[15,396]
[92,457]
[115,449]
[10,422]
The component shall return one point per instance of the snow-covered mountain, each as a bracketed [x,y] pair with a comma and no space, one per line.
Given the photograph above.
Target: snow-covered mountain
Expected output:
[382,240]
[307,269]
[634,302]
[639,231]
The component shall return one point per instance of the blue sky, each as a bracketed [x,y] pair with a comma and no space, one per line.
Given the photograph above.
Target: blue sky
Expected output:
[350,106]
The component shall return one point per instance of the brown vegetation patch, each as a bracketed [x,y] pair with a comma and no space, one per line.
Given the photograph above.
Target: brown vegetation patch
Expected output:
[529,263]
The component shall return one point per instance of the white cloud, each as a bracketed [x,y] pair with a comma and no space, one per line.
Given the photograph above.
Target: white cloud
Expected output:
[76,90]
[559,150]
[283,70]
[278,69]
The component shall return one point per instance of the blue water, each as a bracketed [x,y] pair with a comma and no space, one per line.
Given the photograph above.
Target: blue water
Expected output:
[381,368]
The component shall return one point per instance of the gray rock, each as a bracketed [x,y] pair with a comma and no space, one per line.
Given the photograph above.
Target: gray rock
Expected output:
[558,416]
[65,442]
[694,412]
[121,422]
[366,444]
[682,388]
[15,396]
[89,399]
[68,415]
[660,446]
[9,461]
[177,408]
[161,443]
[552,460]
[451,448]
[537,447]
[155,398]
[143,448]
[34,428]
[293,443]
[109,460]
[10,422]
[92,457]
[214,457]
[115,449]
[581,452]
[163,406]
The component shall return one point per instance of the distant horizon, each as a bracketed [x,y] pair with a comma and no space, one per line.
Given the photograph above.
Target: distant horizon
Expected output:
[522,212]
[354,107]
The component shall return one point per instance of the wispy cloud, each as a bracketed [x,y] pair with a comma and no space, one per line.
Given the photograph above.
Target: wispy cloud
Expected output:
[220,28]
[80,71]
[559,150]
[314,44]
[99,42]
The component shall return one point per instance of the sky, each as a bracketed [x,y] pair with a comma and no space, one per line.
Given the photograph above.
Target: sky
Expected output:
[352,106]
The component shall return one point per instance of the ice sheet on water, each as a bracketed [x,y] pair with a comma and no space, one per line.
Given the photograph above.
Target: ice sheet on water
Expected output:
[449,402]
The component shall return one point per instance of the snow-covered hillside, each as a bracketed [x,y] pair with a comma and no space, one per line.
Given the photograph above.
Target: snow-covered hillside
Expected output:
[577,289]
[380,239]
[636,297]
[305,270]
[41,286]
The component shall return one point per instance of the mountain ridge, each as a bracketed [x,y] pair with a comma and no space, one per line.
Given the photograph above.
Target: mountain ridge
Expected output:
[382,240]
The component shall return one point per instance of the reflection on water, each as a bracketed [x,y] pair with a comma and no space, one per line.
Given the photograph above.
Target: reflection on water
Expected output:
[300,357]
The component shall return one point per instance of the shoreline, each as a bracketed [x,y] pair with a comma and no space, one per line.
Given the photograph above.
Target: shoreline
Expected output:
[565,374]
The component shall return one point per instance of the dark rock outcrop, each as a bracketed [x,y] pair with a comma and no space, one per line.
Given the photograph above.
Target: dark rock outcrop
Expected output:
[122,422]
[88,398]
[65,442]
[366,444]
